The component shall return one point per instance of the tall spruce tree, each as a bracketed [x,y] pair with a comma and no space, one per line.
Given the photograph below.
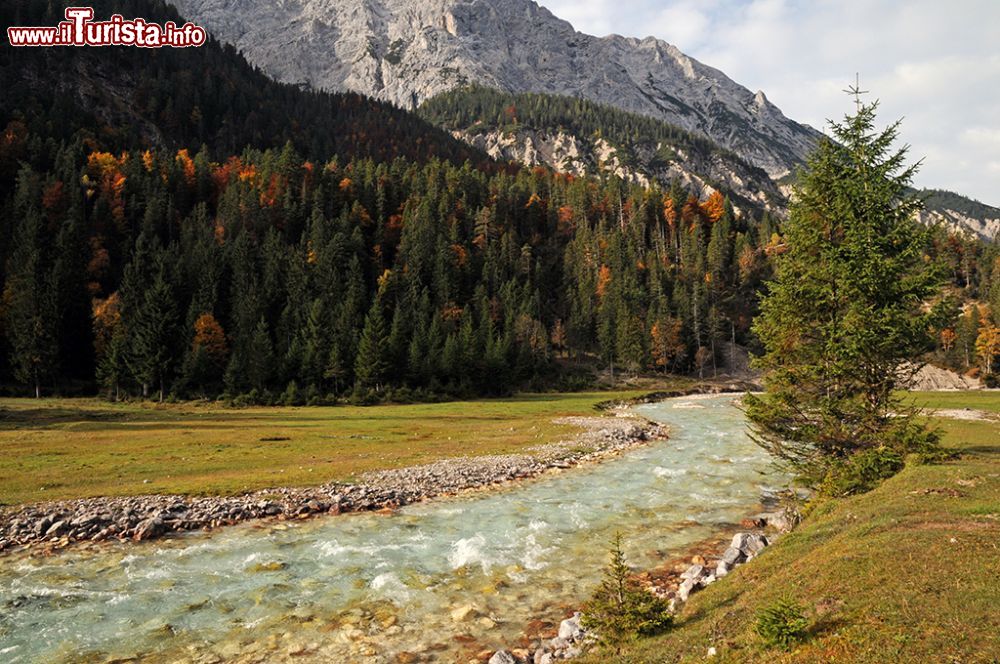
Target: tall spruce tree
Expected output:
[843,315]
[153,332]
[29,297]
[372,363]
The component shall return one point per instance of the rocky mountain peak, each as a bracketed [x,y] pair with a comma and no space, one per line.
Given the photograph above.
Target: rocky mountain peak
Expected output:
[408,51]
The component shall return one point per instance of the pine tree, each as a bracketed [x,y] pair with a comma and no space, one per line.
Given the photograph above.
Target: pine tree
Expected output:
[843,313]
[621,609]
[260,357]
[152,333]
[372,363]
[29,299]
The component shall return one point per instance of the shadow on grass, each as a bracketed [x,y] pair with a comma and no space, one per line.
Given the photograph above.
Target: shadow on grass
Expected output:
[981,450]
[826,625]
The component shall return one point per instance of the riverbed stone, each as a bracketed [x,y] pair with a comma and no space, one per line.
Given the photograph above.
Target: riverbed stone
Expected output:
[733,556]
[502,657]
[693,572]
[571,629]
[56,529]
[686,588]
[463,613]
[148,529]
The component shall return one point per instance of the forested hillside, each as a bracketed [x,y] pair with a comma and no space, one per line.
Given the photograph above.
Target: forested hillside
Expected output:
[174,222]
[121,98]
[583,137]
[156,268]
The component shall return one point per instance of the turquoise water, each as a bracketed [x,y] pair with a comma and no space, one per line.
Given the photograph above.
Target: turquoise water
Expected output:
[444,578]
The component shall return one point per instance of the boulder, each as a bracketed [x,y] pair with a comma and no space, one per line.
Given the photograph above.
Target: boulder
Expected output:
[782,521]
[694,572]
[148,529]
[733,556]
[755,544]
[749,543]
[502,657]
[722,569]
[42,526]
[542,656]
[571,629]
[57,529]
[686,589]
[463,613]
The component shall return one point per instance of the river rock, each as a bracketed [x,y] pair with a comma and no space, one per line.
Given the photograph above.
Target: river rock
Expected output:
[733,556]
[463,613]
[148,529]
[571,629]
[782,521]
[686,588]
[56,529]
[502,657]
[559,643]
[694,572]
[722,569]
[542,656]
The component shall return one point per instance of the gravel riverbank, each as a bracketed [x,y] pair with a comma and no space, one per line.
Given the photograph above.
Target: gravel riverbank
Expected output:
[59,524]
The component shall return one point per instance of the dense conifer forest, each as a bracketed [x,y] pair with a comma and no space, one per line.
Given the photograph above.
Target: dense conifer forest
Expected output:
[180,225]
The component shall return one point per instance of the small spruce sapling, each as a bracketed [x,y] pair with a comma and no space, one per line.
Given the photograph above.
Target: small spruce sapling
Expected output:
[621,609]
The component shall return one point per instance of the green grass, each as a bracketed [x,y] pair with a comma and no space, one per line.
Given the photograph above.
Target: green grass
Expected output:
[909,572]
[83,447]
[986,400]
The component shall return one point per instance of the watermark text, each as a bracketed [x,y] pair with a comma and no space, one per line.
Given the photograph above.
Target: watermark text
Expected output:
[79,29]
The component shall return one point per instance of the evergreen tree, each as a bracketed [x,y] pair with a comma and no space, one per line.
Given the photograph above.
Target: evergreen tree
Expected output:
[152,333]
[29,298]
[372,360]
[843,313]
[621,610]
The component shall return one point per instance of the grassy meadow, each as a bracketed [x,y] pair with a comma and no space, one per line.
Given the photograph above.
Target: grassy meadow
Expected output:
[909,572]
[72,448]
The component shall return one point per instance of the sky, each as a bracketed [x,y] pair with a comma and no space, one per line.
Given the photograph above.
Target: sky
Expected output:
[935,64]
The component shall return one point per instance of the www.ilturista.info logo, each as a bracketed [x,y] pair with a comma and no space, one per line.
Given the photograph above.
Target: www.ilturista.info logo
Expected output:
[80,30]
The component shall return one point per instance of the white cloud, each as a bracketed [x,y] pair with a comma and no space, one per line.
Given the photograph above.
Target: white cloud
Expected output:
[936,65]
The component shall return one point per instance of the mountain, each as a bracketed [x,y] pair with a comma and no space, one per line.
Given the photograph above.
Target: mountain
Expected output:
[126,98]
[963,213]
[407,52]
[580,137]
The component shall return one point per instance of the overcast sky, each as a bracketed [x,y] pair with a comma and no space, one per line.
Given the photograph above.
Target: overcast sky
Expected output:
[934,63]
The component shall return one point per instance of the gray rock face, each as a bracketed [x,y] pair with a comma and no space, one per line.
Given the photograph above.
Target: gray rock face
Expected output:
[408,51]
[588,155]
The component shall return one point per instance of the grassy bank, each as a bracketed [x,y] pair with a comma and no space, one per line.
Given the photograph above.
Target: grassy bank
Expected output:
[72,448]
[908,573]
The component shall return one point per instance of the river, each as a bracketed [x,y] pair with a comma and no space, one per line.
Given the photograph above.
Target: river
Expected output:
[443,578]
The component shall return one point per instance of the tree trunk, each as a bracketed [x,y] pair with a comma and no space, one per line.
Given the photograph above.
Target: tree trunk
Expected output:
[145,390]
[38,390]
